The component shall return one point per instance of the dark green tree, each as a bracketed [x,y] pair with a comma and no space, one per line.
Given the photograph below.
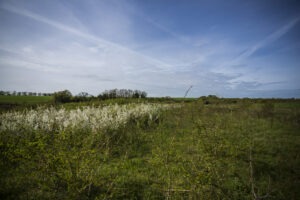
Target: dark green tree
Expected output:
[62,96]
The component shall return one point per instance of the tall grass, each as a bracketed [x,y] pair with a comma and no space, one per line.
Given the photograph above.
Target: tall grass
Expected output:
[240,150]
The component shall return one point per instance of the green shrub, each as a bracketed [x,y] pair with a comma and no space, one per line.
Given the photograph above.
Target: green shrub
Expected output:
[62,96]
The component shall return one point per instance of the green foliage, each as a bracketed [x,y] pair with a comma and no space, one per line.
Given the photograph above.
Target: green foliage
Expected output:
[193,152]
[62,96]
[25,99]
[122,93]
[23,102]
[267,109]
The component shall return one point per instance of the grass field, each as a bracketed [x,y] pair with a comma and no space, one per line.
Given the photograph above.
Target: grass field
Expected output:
[192,150]
[25,99]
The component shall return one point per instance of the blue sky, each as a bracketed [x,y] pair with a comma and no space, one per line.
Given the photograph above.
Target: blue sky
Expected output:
[233,48]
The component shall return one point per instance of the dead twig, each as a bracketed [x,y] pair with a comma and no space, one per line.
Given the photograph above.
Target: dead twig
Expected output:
[255,195]
[186,93]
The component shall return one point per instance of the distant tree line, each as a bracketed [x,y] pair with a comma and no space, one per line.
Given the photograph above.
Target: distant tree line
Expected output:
[15,93]
[66,96]
[122,93]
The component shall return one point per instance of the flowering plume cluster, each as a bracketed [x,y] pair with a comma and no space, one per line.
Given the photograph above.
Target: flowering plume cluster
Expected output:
[90,117]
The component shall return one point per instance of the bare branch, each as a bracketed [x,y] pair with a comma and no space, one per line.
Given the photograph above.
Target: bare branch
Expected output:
[186,93]
[255,195]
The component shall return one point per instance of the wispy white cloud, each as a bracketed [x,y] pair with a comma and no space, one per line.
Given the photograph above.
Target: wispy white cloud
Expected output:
[100,41]
[121,44]
[119,62]
[174,34]
[255,73]
[136,11]
[268,40]
[25,60]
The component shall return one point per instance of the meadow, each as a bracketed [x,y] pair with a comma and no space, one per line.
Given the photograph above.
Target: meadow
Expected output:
[25,99]
[203,148]
[22,102]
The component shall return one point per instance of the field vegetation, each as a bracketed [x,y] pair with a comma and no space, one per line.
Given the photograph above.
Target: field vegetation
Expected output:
[25,99]
[152,148]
